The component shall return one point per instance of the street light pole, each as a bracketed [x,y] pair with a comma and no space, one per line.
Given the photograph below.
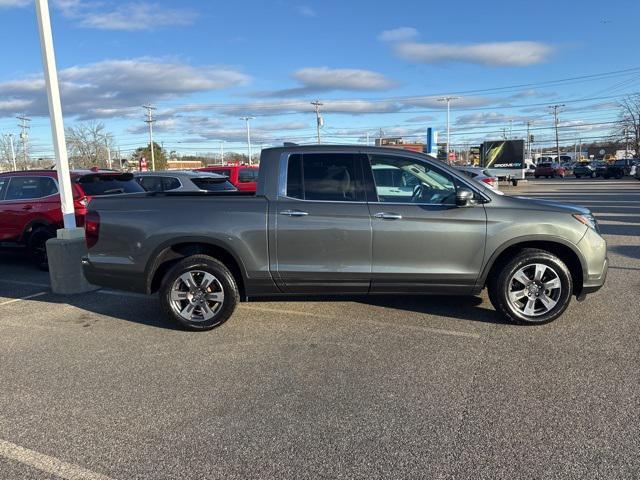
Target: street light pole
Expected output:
[55,113]
[555,118]
[448,100]
[247,119]
[13,152]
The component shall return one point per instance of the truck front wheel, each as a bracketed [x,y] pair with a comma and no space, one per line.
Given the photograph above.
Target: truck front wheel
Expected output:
[535,287]
[199,293]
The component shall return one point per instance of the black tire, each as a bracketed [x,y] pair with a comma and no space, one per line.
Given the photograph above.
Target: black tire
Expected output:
[537,176]
[500,284]
[577,176]
[37,247]
[226,285]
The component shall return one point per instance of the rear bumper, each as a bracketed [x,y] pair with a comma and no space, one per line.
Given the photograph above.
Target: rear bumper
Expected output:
[104,277]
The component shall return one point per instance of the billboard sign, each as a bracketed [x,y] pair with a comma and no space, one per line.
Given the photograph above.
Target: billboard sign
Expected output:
[507,154]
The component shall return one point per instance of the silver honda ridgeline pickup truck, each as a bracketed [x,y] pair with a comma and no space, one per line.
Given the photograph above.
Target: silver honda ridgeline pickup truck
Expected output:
[345,220]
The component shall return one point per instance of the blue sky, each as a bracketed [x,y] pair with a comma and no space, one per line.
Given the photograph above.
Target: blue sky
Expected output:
[375,65]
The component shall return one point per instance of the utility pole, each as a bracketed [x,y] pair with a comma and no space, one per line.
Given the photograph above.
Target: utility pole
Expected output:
[448,100]
[367,139]
[13,152]
[106,145]
[150,121]
[247,119]
[319,120]
[381,136]
[555,119]
[510,129]
[222,152]
[24,136]
[529,140]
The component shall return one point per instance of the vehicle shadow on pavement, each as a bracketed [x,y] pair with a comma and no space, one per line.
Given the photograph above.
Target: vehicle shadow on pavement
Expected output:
[464,308]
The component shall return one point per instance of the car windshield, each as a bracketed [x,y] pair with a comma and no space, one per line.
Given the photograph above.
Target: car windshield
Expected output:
[101,184]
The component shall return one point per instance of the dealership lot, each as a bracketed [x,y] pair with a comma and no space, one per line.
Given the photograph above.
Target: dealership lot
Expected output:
[100,385]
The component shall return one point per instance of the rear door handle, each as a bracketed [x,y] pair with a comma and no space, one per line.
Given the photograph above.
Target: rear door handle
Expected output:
[388,216]
[294,213]
[27,207]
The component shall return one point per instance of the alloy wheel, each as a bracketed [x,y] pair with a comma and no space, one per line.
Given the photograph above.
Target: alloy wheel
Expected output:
[534,290]
[197,296]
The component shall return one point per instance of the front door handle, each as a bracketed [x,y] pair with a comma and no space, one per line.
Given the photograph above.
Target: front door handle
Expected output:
[27,207]
[388,216]
[294,213]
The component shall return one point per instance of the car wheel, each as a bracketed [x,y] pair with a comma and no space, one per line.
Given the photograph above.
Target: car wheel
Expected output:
[37,247]
[593,175]
[533,288]
[537,176]
[199,293]
[577,176]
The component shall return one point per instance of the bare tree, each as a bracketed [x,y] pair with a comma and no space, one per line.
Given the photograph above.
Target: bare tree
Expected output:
[628,125]
[89,145]
[6,158]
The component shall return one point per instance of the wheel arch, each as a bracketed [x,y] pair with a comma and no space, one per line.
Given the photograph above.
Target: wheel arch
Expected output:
[564,250]
[34,225]
[166,256]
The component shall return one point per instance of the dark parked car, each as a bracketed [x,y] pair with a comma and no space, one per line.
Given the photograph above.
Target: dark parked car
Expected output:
[618,168]
[321,224]
[585,169]
[30,210]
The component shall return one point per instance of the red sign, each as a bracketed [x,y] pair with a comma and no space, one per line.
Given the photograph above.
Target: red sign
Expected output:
[143,165]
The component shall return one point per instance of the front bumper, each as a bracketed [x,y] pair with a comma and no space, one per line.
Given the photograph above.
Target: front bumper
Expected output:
[594,250]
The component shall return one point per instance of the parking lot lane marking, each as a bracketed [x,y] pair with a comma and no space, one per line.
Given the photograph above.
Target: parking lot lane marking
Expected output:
[440,331]
[30,284]
[291,312]
[39,294]
[45,463]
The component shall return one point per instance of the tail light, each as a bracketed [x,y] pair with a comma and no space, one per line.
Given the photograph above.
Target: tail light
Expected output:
[92,228]
[82,202]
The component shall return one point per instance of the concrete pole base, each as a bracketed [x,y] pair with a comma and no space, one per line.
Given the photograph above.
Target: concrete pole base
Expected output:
[65,266]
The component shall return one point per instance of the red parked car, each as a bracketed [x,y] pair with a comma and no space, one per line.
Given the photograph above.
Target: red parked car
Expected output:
[549,170]
[243,177]
[30,210]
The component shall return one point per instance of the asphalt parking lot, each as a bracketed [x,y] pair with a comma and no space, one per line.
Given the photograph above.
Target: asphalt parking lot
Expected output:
[99,386]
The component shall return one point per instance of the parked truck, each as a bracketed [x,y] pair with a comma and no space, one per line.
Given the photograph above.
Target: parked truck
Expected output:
[347,220]
[504,159]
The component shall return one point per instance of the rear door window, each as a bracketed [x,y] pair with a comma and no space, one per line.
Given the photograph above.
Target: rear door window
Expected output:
[246,175]
[325,177]
[93,185]
[170,183]
[3,186]
[151,184]
[28,188]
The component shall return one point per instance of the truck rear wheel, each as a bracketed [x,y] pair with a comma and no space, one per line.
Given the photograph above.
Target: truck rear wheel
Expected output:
[533,288]
[199,293]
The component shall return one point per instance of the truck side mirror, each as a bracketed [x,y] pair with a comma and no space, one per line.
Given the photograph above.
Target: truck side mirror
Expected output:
[465,198]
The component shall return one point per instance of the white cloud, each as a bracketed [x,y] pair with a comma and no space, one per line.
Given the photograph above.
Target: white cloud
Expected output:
[489,118]
[116,87]
[14,3]
[400,34]
[496,54]
[306,11]
[324,79]
[126,16]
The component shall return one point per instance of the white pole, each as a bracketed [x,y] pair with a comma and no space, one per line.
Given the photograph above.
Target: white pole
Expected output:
[13,152]
[246,119]
[55,113]
[448,128]
[106,144]
[221,153]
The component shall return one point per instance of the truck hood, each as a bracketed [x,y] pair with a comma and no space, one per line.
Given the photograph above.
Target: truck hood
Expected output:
[552,205]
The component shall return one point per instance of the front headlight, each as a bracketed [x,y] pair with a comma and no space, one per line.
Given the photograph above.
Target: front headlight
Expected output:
[587,219]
